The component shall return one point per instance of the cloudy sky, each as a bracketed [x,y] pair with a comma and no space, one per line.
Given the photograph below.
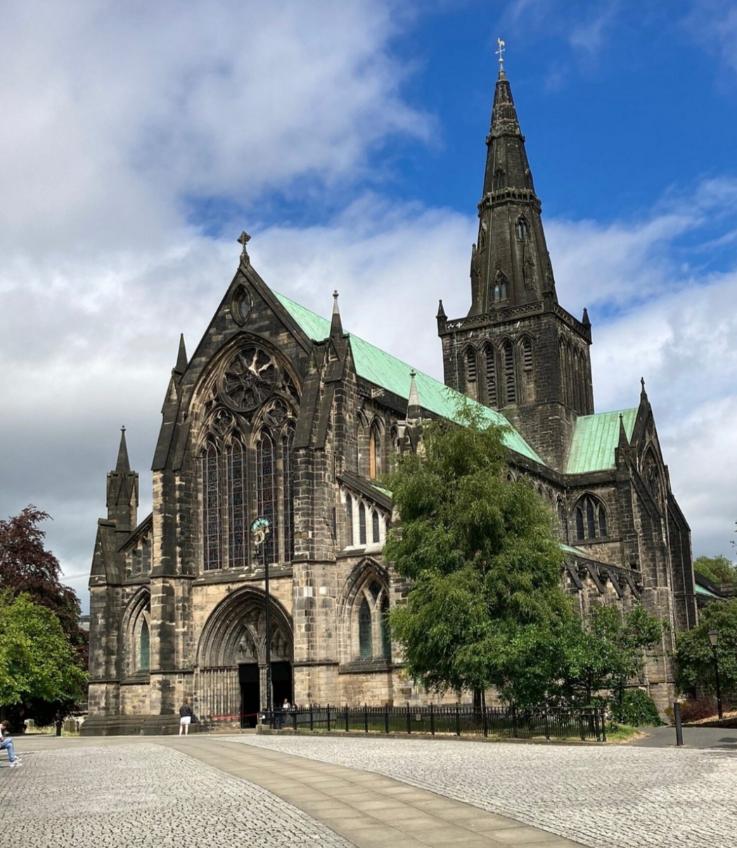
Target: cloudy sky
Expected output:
[139,139]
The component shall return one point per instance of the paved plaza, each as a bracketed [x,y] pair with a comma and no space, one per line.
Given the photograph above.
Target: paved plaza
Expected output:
[284,791]
[605,797]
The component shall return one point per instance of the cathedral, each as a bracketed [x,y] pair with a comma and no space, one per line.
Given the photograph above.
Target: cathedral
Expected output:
[284,418]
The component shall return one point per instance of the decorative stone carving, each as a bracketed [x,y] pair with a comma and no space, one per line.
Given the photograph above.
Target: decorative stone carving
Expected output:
[249,379]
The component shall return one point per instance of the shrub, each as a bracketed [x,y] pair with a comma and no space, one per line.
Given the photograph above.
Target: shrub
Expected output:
[694,709]
[636,708]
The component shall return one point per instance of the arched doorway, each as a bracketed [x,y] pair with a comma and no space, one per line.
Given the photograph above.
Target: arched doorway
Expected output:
[230,677]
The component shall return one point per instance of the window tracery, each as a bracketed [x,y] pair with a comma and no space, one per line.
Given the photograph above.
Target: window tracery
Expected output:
[246,461]
[367,610]
[590,519]
[522,228]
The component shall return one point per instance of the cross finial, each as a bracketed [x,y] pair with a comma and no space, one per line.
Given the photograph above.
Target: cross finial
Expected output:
[243,239]
[501,47]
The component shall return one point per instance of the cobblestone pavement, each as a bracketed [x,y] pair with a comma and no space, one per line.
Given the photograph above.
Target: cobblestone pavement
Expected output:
[146,796]
[614,797]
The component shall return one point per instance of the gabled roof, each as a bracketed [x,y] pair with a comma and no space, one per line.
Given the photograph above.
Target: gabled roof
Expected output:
[595,438]
[392,374]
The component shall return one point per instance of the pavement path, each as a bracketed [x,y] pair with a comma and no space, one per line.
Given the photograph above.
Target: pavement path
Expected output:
[602,796]
[120,791]
[714,738]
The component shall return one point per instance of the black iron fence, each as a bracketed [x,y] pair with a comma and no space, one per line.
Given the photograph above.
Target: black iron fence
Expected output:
[455,719]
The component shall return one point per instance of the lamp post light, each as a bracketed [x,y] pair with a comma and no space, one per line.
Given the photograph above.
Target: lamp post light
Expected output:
[714,641]
[260,530]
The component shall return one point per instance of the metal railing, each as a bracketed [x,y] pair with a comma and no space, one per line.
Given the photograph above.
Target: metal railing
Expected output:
[452,719]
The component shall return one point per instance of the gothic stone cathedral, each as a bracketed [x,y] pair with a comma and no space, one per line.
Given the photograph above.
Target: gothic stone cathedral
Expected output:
[280,413]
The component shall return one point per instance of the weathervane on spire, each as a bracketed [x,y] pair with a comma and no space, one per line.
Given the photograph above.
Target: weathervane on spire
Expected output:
[502,46]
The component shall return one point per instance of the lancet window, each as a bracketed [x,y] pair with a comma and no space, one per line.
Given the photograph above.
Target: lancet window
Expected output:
[365,523]
[590,519]
[522,228]
[510,382]
[470,359]
[368,612]
[375,451]
[490,366]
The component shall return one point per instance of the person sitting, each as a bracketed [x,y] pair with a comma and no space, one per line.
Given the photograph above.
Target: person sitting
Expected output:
[6,743]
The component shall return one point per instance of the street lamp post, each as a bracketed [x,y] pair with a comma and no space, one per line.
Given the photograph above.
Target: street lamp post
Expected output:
[260,530]
[714,641]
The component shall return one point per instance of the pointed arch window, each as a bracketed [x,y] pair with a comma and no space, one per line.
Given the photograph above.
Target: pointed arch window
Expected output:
[287,442]
[266,476]
[510,382]
[144,648]
[470,357]
[522,228]
[238,521]
[501,287]
[361,524]
[365,626]
[212,508]
[375,452]
[375,530]
[490,368]
[526,354]
[591,519]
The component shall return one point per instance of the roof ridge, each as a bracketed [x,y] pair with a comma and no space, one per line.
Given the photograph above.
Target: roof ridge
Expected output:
[391,373]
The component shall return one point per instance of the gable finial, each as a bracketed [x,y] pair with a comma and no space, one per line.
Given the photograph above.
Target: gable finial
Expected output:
[336,325]
[243,240]
[501,48]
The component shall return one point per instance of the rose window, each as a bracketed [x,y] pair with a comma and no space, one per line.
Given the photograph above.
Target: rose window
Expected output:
[250,379]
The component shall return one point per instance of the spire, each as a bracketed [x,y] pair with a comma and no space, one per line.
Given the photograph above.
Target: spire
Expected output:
[336,325]
[181,365]
[122,465]
[510,265]
[623,441]
[585,320]
[414,411]
[643,393]
[441,311]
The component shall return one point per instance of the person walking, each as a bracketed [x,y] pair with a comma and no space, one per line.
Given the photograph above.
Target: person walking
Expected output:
[185,718]
[6,743]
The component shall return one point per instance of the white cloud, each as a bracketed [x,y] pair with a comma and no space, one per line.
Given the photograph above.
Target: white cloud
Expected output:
[116,116]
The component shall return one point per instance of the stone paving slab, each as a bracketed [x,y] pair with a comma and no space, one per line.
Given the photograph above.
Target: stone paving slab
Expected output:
[110,795]
[604,797]
[367,809]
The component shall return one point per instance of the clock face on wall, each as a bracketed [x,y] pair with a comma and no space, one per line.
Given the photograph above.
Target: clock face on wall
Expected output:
[249,379]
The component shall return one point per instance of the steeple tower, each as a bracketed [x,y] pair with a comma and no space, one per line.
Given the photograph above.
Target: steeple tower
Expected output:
[122,490]
[509,262]
[517,349]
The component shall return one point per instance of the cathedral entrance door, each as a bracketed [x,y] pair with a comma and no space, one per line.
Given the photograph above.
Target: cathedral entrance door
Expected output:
[249,679]
[281,682]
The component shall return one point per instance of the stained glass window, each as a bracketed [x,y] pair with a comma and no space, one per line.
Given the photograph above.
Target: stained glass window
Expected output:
[212,508]
[349,519]
[288,495]
[365,642]
[361,524]
[265,463]
[238,520]
[374,526]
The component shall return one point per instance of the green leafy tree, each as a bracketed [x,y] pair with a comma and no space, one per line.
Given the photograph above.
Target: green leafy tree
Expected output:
[718,569]
[607,653]
[695,656]
[37,662]
[26,566]
[486,605]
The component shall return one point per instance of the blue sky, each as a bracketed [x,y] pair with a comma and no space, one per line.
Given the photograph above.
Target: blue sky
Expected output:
[139,140]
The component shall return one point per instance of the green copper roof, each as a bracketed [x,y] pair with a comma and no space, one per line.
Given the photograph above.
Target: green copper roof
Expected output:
[595,438]
[392,374]
[702,590]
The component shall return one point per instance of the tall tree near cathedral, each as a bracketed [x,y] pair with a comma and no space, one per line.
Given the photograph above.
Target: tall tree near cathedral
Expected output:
[486,606]
[26,566]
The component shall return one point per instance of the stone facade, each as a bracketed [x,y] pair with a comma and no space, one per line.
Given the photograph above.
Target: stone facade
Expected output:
[277,414]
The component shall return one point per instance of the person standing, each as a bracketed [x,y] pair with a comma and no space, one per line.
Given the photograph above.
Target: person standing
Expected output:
[185,718]
[6,743]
